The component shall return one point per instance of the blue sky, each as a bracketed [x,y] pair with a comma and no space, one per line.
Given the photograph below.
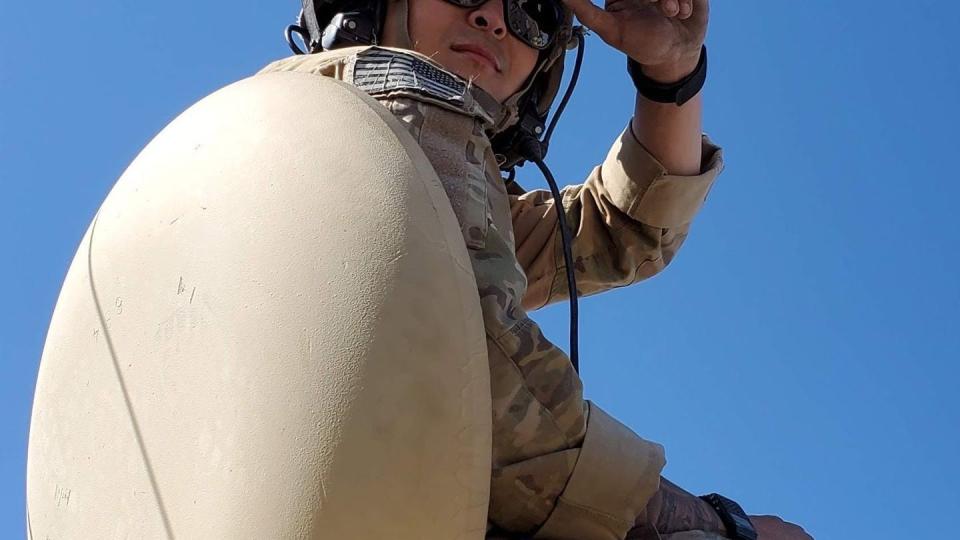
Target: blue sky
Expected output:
[801,353]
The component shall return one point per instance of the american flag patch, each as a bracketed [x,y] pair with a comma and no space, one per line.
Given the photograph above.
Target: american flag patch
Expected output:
[377,71]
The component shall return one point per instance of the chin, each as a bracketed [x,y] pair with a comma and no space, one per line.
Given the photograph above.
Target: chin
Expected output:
[484,84]
[478,76]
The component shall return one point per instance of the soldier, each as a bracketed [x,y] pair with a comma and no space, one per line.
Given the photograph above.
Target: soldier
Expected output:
[463,76]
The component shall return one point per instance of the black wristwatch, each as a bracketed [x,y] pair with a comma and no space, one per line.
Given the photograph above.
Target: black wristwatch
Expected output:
[679,92]
[734,518]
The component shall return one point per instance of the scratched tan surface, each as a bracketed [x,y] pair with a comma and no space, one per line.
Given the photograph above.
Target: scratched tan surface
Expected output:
[264,336]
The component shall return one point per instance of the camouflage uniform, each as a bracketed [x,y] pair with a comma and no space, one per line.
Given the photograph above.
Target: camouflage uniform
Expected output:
[561,467]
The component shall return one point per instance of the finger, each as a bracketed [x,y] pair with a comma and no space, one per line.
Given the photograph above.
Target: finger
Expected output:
[686,9]
[670,8]
[593,17]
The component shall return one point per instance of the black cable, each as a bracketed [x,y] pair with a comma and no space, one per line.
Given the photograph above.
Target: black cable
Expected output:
[534,150]
[288,35]
[577,31]
[568,262]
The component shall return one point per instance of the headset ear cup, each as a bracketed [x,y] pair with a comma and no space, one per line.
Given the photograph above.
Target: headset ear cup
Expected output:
[536,98]
[551,77]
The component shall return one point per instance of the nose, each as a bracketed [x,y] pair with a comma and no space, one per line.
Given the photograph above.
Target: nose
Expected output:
[489,18]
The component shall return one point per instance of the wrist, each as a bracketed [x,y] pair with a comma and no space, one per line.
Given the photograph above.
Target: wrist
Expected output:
[677,92]
[673,510]
[672,72]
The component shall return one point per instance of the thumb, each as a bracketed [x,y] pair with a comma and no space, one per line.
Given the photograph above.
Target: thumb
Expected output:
[591,16]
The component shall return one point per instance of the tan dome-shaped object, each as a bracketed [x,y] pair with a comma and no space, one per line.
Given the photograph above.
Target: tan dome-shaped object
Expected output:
[270,330]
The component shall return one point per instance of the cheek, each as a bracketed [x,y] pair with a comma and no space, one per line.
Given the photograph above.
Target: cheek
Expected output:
[427,21]
[525,60]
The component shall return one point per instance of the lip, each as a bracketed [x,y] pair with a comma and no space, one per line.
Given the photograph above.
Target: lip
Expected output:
[480,51]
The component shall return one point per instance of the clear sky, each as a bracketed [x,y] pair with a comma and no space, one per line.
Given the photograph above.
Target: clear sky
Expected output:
[801,353]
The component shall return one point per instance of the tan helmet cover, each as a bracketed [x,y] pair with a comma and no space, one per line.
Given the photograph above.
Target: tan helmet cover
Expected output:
[242,348]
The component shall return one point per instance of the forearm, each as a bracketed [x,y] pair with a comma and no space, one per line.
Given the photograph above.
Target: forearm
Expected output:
[671,133]
[674,510]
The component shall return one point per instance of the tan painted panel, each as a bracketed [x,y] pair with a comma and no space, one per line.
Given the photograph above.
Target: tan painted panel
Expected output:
[270,330]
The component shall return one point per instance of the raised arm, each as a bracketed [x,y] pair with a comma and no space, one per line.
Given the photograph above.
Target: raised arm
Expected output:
[634,211]
[628,219]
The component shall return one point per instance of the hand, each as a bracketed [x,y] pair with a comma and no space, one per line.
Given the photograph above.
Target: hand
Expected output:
[774,528]
[663,36]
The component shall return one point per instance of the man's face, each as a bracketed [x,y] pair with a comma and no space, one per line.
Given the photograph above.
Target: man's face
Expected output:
[473,43]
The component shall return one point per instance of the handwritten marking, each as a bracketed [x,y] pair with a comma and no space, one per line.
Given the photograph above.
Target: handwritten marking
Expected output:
[180,288]
[62,496]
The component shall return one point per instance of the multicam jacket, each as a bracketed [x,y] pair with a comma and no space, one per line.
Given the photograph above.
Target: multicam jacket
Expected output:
[561,467]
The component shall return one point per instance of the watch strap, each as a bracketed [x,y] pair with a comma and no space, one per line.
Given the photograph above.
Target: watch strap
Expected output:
[679,92]
[733,517]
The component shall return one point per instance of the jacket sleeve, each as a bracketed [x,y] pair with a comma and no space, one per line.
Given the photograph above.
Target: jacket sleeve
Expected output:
[628,221]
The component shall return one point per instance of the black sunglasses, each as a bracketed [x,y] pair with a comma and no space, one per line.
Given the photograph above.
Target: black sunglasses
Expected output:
[534,22]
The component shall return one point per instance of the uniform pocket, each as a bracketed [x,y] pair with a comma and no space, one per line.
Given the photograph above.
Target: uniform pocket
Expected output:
[455,145]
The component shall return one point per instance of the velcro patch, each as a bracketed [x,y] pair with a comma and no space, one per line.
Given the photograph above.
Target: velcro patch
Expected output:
[378,71]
